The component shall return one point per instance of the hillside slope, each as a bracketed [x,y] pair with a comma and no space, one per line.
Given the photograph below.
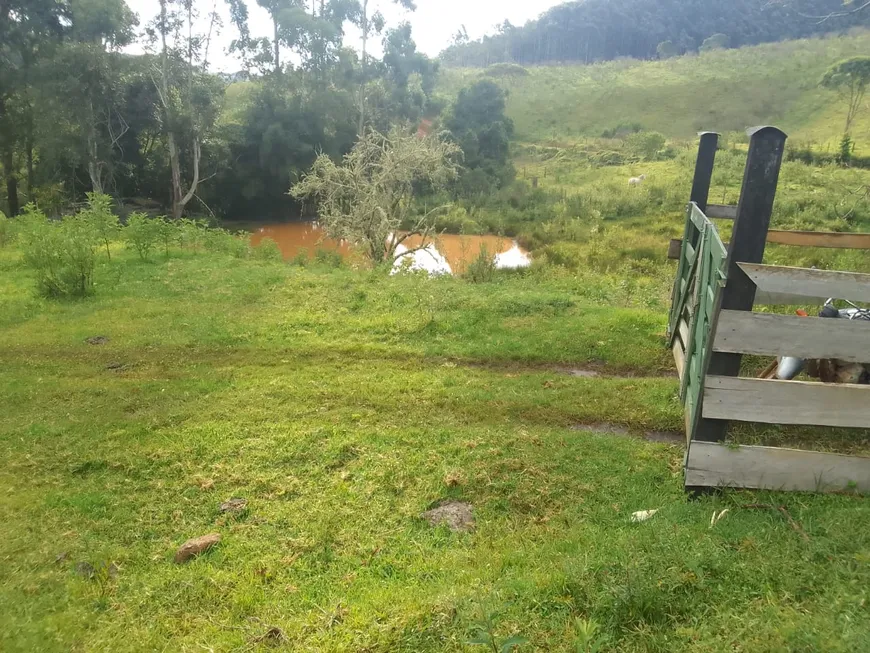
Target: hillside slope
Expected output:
[723,90]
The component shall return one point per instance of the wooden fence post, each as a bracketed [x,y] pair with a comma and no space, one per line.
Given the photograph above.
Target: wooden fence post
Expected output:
[704,169]
[700,192]
[748,238]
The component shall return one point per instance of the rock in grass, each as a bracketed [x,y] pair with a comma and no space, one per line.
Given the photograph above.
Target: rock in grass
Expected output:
[234,505]
[456,515]
[273,636]
[193,547]
[85,569]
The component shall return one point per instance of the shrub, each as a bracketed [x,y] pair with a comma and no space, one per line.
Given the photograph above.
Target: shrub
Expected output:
[301,258]
[268,250]
[645,144]
[7,232]
[505,69]
[482,268]
[327,257]
[715,42]
[191,233]
[143,234]
[61,252]
[104,223]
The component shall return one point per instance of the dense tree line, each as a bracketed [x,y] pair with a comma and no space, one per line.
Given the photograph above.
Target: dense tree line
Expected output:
[160,130]
[599,30]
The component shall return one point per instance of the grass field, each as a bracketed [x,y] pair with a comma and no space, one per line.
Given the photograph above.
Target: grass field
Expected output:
[342,403]
[722,90]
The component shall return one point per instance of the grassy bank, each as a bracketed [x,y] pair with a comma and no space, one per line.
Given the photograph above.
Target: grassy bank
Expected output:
[341,404]
[722,90]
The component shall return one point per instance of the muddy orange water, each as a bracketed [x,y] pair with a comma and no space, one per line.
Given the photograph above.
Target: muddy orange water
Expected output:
[458,250]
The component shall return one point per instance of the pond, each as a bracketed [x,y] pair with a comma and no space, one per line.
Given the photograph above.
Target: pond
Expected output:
[448,254]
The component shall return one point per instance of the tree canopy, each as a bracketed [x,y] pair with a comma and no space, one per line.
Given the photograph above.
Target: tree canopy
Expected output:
[598,30]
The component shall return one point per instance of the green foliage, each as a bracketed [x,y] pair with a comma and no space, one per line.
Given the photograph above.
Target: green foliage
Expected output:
[484,635]
[601,30]
[143,233]
[667,50]
[715,42]
[850,78]
[645,145]
[479,125]
[590,638]
[844,155]
[268,250]
[482,268]
[327,258]
[367,199]
[7,230]
[104,223]
[506,70]
[61,253]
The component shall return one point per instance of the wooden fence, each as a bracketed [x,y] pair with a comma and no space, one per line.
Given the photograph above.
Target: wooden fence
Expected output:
[712,326]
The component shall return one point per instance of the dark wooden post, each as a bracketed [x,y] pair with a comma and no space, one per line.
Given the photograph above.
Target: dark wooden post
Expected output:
[704,169]
[748,238]
[700,191]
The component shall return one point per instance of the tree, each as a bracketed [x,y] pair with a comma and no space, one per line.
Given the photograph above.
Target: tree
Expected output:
[367,199]
[479,125]
[850,78]
[369,25]
[667,50]
[715,42]
[186,97]
[28,29]
[83,84]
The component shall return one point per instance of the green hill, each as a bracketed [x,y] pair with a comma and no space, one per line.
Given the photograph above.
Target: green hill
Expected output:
[722,90]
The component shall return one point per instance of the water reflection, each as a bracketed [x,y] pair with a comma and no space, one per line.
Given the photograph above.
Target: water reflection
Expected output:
[448,254]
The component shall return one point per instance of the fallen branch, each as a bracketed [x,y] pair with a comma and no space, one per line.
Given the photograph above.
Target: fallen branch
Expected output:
[785,513]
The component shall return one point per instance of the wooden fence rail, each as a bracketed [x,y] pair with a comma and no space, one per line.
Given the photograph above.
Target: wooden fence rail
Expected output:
[711,326]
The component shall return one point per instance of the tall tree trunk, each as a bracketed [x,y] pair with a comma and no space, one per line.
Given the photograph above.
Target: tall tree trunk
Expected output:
[7,159]
[28,146]
[276,44]
[11,180]
[362,88]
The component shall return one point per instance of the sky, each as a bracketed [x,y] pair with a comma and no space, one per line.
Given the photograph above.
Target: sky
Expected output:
[434,23]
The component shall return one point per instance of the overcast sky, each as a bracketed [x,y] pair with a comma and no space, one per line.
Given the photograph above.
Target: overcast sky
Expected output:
[434,23]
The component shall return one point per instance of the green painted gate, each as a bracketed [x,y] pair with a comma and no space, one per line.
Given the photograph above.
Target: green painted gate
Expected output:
[701,275]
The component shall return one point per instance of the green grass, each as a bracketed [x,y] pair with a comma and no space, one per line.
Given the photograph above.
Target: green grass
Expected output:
[722,90]
[342,404]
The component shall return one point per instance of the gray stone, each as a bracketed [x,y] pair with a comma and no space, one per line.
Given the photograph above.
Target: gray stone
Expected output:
[456,515]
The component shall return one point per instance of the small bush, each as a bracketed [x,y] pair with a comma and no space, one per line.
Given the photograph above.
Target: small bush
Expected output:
[7,233]
[482,268]
[61,252]
[268,250]
[143,234]
[104,223]
[301,258]
[645,144]
[328,258]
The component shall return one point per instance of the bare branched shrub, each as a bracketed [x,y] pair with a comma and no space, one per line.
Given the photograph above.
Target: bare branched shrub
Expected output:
[367,200]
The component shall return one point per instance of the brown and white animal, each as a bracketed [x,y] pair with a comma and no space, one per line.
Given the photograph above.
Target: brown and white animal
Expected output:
[636,181]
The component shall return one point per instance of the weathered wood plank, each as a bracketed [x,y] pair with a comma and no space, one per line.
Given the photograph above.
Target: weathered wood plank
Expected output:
[786,402]
[683,330]
[829,239]
[721,211]
[765,334]
[710,464]
[803,285]
[679,358]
